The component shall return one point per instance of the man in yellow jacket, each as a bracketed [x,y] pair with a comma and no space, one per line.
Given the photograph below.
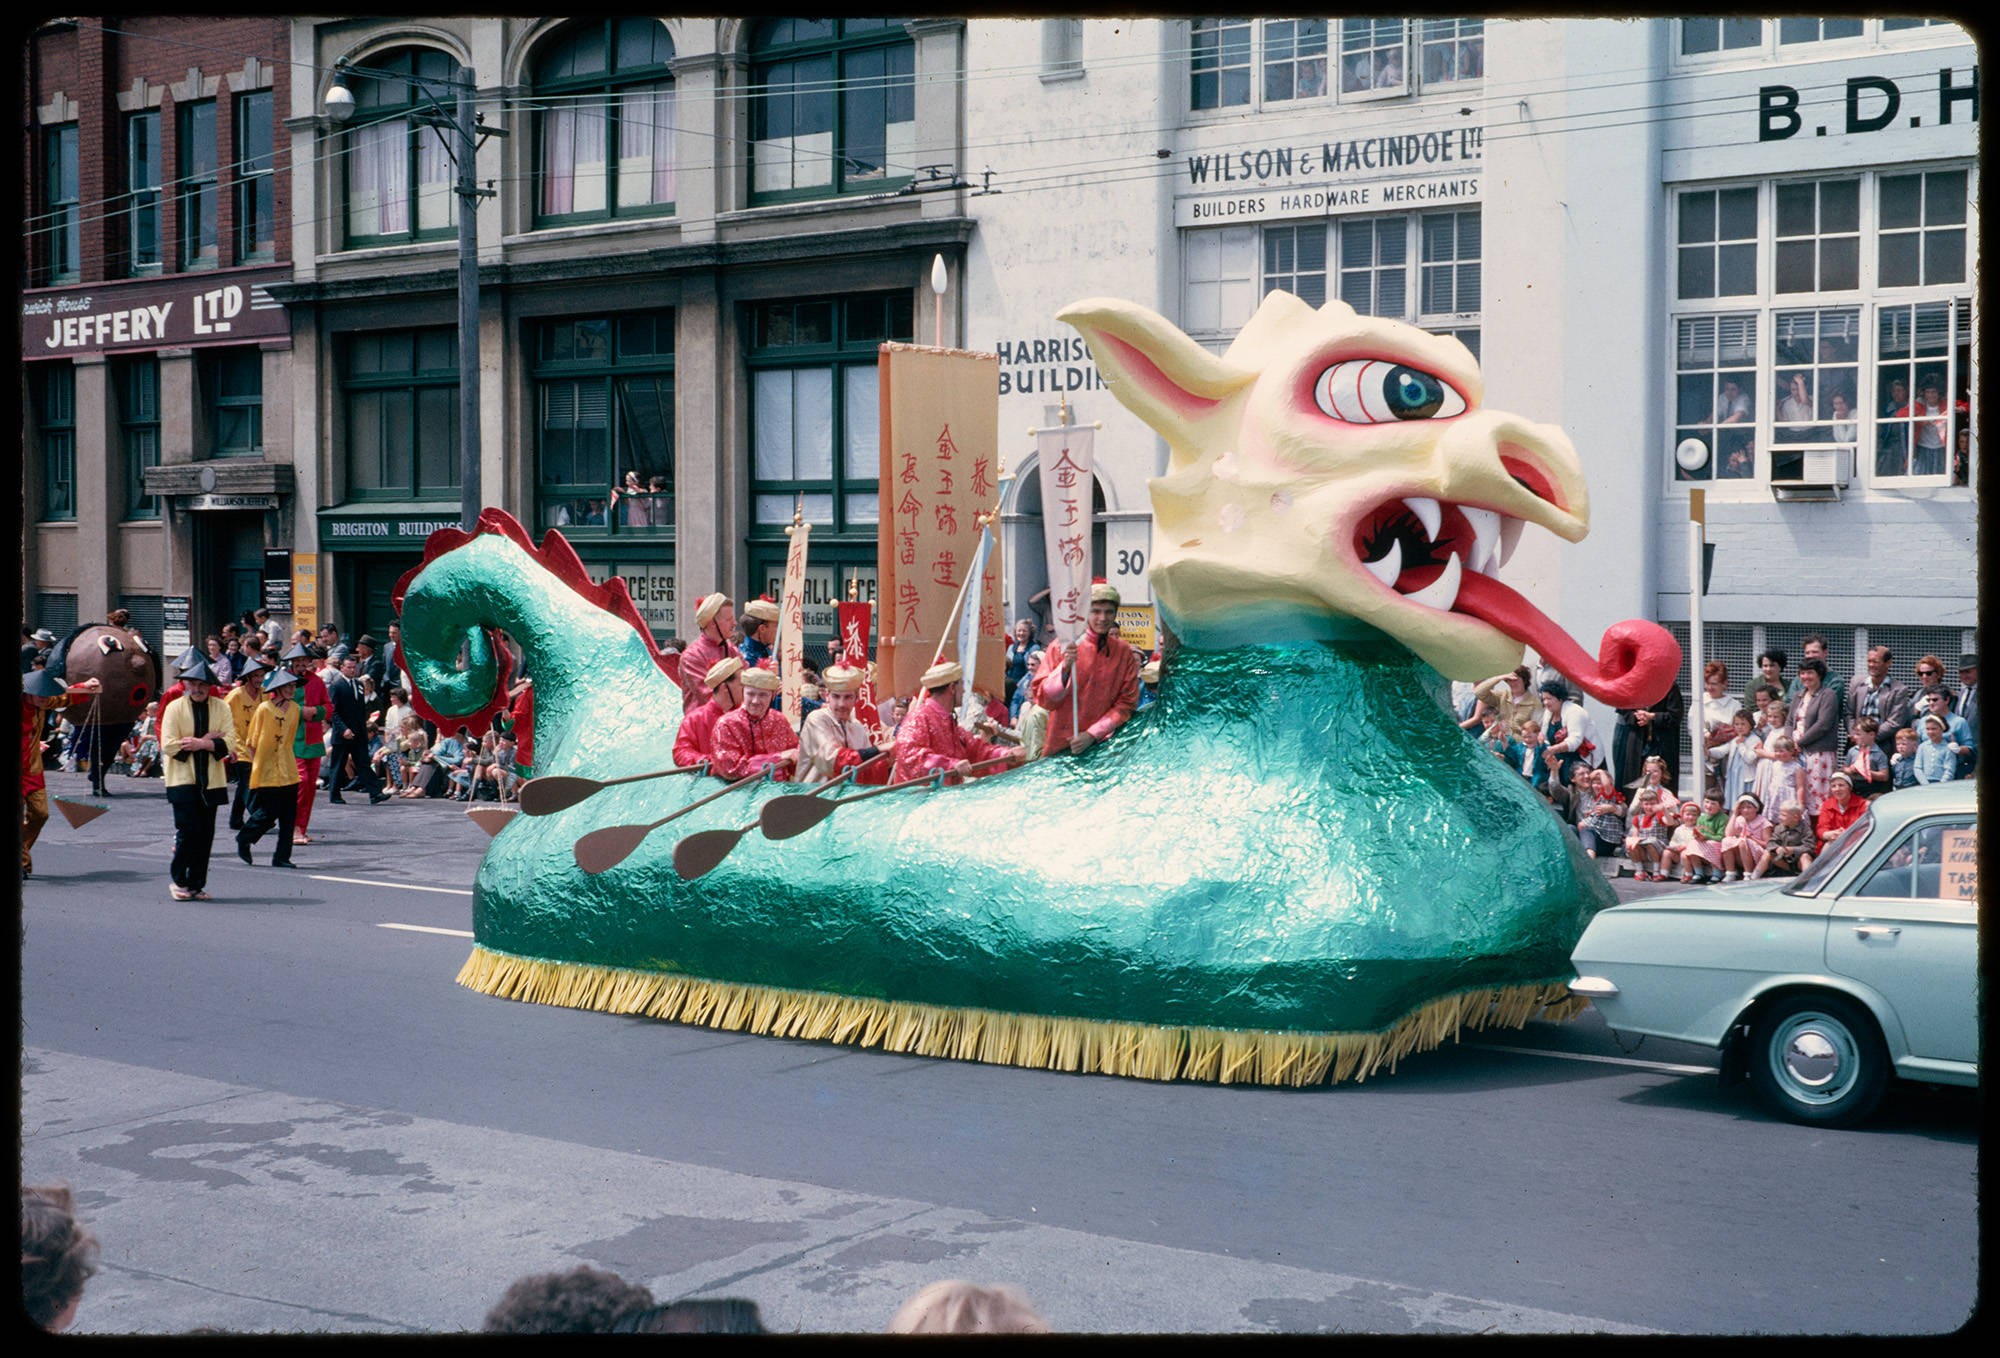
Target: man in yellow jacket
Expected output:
[243,701]
[197,739]
[274,770]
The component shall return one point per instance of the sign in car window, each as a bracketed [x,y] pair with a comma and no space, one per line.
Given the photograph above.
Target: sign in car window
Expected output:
[1960,879]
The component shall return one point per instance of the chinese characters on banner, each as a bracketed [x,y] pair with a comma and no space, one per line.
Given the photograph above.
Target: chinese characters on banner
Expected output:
[940,415]
[1067,499]
[792,624]
[855,620]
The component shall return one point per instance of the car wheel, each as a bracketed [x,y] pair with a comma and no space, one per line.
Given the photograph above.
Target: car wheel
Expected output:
[1818,1059]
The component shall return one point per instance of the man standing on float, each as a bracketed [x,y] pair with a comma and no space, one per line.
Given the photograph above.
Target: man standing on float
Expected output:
[1106,673]
[713,620]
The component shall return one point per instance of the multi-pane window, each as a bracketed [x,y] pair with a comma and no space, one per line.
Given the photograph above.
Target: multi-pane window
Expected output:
[1423,268]
[1715,384]
[815,433]
[1706,40]
[1452,49]
[137,384]
[233,380]
[254,179]
[1219,63]
[399,173]
[401,398]
[1870,351]
[604,392]
[1702,36]
[142,192]
[1294,59]
[1372,56]
[1818,236]
[833,107]
[1717,250]
[1792,31]
[55,392]
[1922,228]
[1062,48]
[61,210]
[604,139]
[198,187]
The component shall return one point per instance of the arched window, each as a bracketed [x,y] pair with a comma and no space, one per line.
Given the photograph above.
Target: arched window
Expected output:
[833,107]
[604,122]
[399,173]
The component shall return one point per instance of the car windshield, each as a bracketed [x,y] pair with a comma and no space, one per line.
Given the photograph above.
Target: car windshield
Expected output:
[1839,851]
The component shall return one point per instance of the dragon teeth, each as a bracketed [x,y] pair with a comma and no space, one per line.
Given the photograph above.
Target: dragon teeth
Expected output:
[1510,537]
[1485,523]
[1442,592]
[1428,513]
[1388,567]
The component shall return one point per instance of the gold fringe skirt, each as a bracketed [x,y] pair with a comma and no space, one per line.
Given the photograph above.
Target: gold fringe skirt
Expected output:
[1146,1051]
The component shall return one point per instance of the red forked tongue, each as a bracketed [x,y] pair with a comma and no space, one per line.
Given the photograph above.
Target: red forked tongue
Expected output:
[1636,664]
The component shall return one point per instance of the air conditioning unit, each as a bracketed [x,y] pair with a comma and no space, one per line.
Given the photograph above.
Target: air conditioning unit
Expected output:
[1811,471]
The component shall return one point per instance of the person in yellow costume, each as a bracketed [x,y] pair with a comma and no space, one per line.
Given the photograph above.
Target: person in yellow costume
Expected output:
[274,770]
[243,700]
[197,739]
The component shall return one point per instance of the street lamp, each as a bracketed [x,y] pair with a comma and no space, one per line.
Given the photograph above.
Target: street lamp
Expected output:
[466,131]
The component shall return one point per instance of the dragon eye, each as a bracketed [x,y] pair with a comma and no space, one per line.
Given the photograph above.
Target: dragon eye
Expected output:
[1376,391]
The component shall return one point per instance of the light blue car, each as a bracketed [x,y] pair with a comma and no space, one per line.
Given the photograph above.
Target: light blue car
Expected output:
[1821,987]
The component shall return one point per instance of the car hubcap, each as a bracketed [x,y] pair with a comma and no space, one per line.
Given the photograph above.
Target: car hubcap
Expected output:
[1815,1058]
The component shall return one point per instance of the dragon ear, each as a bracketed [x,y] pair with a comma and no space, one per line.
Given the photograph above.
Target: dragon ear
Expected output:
[1161,375]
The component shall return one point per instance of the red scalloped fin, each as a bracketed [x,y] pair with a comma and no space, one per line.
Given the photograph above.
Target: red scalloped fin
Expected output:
[559,558]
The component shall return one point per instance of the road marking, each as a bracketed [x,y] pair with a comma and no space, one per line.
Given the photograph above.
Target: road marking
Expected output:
[397,886]
[1665,1066]
[428,929]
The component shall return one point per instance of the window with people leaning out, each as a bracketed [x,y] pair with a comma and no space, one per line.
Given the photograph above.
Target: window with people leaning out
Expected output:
[1822,329]
[604,440]
[1270,63]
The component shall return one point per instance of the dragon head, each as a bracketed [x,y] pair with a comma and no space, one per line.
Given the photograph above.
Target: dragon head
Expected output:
[1330,469]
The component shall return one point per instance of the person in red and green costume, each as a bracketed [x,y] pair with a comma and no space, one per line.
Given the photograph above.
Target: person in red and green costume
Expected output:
[309,745]
[41,692]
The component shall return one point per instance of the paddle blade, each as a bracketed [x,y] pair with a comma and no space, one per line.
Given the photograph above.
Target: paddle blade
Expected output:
[78,814]
[700,853]
[602,850]
[555,792]
[491,819]
[783,817]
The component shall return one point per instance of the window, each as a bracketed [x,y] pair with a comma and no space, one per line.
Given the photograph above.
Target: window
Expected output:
[137,383]
[833,107]
[254,179]
[1219,63]
[401,394]
[1294,59]
[399,176]
[1062,48]
[1873,274]
[1702,36]
[1914,869]
[142,192]
[604,138]
[815,430]
[197,187]
[1791,31]
[234,380]
[62,219]
[604,393]
[1423,268]
[1452,49]
[1371,56]
[1710,40]
[56,401]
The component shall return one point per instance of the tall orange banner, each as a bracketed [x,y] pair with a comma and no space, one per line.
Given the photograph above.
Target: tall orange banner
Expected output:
[940,419]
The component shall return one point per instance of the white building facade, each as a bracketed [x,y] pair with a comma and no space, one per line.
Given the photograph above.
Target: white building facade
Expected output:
[1710,250]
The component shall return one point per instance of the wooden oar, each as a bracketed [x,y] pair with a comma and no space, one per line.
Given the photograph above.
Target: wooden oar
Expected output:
[604,849]
[491,819]
[78,814]
[784,817]
[699,853]
[560,791]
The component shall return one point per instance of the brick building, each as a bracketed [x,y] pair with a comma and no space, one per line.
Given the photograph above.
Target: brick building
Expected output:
[156,439]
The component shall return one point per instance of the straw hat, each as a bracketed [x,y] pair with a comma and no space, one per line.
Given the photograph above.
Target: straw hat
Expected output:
[763,610]
[756,676]
[840,679]
[706,610]
[1149,673]
[722,671]
[942,675]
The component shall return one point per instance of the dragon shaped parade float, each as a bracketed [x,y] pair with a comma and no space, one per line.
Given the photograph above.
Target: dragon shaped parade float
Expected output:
[1293,866]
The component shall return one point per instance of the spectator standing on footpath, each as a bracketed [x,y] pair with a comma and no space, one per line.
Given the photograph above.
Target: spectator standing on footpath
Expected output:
[1641,733]
[274,770]
[1105,671]
[1021,652]
[1866,763]
[1770,670]
[1966,708]
[41,693]
[1815,647]
[1816,729]
[1874,694]
[197,735]
[1958,732]
[1936,762]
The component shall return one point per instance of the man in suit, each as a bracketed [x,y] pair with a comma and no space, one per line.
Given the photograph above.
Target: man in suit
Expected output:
[349,730]
[1967,706]
[1875,694]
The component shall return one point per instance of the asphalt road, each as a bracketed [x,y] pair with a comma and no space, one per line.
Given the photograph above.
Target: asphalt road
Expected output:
[280,1113]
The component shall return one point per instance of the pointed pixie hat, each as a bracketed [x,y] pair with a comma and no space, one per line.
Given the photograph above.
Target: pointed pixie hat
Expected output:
[279,678]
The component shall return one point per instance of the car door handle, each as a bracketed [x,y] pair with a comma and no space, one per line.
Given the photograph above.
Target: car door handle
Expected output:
[1877,930]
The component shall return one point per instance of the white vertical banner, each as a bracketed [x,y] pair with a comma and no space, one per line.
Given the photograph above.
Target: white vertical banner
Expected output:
[968,626]
[792,623]
[1067,491]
